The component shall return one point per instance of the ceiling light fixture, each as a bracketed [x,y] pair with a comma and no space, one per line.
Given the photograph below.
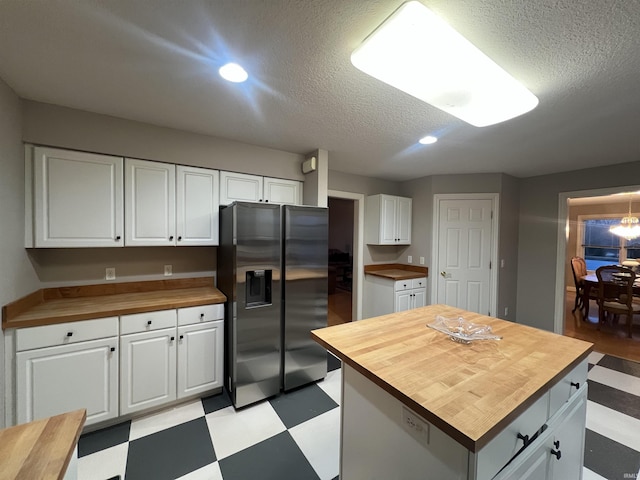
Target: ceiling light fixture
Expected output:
[419,53]
[428,140]
[628,227]
[233,73]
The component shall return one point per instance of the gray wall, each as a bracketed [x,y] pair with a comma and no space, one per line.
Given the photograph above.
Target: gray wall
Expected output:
[538,230]
[17,277]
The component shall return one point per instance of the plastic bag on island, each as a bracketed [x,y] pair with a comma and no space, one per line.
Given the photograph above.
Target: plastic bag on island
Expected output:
[463,331]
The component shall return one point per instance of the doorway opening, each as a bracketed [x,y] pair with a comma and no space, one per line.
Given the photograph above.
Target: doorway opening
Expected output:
[577,210]
[341,248]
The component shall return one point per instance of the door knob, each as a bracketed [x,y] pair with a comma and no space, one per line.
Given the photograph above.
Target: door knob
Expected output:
[443,274]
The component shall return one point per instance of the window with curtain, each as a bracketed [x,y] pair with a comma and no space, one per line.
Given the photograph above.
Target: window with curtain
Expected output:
[601,247]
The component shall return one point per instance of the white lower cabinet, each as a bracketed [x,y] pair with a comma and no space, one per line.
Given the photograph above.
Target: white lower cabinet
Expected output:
[118,365]
[385,295]
[410,294]
[64,367]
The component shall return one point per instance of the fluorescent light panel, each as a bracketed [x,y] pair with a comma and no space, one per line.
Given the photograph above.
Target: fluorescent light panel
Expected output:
[417,52]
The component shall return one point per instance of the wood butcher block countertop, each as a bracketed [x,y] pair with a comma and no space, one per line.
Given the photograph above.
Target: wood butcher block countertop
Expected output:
[471,392]
[396,271]
[69,304]
[41,449]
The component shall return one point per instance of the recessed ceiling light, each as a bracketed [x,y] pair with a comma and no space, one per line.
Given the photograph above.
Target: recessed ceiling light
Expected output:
[429,139]
[233,73]
[419,53]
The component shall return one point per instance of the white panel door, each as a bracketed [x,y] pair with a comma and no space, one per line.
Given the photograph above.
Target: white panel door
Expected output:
[240,187]
[200,357]
[78,199]
[464,254]
[55,380]
[419,298]
[196,206]
[403,220]
[148,369]
[278,190]
[150,203]
[403,301]
[388,211]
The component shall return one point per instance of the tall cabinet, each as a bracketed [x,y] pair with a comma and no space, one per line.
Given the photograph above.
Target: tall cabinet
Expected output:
[254,188]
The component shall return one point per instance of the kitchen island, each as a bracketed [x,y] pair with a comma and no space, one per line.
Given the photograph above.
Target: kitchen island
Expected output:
[418,405]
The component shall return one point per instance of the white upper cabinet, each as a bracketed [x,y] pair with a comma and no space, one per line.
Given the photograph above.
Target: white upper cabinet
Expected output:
[77,199]
[150,208]
[242,187]
[388,220]
[196,206]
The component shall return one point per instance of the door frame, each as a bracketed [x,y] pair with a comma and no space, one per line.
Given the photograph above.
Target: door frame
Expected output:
[563,239]
[495,222]
[358,249]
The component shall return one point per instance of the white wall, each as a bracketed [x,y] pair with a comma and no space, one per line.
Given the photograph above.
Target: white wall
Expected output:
[17,277]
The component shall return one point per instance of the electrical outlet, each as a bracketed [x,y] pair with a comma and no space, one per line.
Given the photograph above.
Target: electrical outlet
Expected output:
[418,428]
[168,270]
[502,263]
[110,273]
[421,260]
[409,259]
[506,311]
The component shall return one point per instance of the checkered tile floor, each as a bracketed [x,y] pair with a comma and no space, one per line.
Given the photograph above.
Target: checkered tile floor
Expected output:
[296,435]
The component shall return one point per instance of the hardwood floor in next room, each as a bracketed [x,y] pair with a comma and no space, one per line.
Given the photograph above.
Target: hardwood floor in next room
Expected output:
[339,307]
[610,339]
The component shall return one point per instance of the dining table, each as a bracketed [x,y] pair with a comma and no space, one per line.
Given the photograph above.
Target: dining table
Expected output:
[591,281]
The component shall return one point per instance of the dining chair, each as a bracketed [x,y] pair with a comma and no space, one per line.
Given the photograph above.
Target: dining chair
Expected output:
[579,269]
[615,294]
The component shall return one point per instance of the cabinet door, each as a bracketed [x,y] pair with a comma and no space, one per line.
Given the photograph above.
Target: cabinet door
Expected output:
[200,358]
[78,199]
[55,380]
[148,369]
[240,187]
[403,220]
[388,210]
[150,209]
[403,300]
[568,442]
[419,297]
[278,190]
[196,206]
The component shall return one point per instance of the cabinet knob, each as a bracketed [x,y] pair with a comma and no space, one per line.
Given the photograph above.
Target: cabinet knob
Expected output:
[148,322]
[557,453]
[69,334]
[113,349]
[524,438]
[576,384]
[173,338]
[266,200]
[260,200]
[202,316]
[181,337]
[171,237]
[180,238]
[118,238]
[556,444]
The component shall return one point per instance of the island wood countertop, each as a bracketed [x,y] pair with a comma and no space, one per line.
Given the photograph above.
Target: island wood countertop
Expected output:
[69,304]
[41,449]
[471,392]
[396,271]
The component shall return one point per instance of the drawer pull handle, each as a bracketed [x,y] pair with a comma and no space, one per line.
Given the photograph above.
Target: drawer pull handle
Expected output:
[69,334]
[556,444]
[181,337]
[148,322]
[576,384]
[557,453]
[524,438]
[113,349]
[202,316]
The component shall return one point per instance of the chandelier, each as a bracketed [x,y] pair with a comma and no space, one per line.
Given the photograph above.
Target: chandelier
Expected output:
[629,226]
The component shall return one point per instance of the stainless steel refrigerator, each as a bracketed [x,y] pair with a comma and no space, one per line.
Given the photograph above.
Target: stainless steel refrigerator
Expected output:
[272,266]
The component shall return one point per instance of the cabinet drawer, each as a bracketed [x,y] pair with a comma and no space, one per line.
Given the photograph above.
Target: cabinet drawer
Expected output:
[403,285]
[204,313]
[65,333]
[568,386]
[146,322]
[495,455]
[419,282]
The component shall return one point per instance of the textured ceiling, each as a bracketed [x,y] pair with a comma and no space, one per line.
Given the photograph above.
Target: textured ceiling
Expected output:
[155,61]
